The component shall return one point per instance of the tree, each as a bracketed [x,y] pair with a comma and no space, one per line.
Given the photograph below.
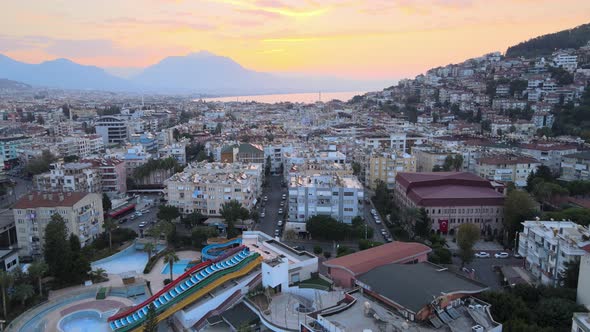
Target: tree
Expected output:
[326,227]
[569,276]
[23,292]
[193,219]
[151,320]
[518,207]
[106,203]
[356,168]
[171,258]
[37,270]
[467,236]
[40,164]
[149,248]
[79,265]
[168,213]
[423,224]
[382,198]
[6,280]
[57,252]
[200,234]
[109,226]
[233,211]
[542,172]
[71,158]
[453,163]
[556,312]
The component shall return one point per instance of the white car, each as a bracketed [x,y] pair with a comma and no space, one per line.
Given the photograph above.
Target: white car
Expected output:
[265,198]
[502,255]
[262,214]
[377,220]
[373,211]
[482,254]
[139,214]
[142,224]
[280,211]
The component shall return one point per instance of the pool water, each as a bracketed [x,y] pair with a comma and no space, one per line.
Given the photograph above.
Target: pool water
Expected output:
[177,267]
[84,321]
[130,259]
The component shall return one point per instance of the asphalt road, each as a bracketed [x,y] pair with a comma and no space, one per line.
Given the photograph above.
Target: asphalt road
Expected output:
[274,191]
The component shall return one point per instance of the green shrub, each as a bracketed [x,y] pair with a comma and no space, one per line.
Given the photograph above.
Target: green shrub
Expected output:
[317,250]
[152,262]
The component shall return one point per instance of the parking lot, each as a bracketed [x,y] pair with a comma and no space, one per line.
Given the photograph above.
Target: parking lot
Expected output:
[484,267]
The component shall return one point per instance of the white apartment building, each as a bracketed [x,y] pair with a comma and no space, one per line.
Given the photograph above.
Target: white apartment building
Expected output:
[205,187]
[82,213]
[548,245]
[549,154]
[276,154]
[112,129]
[176,151]
[340,197]
[385,165]
[70,177]
[395,141]
[507,168]
[565,61]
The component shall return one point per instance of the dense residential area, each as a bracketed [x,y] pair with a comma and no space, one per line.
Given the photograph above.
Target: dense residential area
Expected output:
[455,201]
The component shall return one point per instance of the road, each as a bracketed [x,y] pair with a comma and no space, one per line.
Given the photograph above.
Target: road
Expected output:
[149,216]
[273,191]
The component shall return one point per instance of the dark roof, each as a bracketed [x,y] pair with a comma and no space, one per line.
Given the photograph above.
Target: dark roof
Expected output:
[506,160]
[414,286]
[39,199]
[448,189]
[580,155]
[239,315]
[365,260]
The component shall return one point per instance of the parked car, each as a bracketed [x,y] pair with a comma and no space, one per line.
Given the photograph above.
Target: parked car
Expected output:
[262,214]
[502,255]
[142,224]
[138,213]
[389,239]
[122,221]
[282,204]
[300,248]
[373,211]
[482,254]
[517,256]
[383,232]
[284,197]
[265,198]
[280,211]
[277,232]
[377,220]
[280,223]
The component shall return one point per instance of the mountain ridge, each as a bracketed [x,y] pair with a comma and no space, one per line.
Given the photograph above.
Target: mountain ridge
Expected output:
[545,44]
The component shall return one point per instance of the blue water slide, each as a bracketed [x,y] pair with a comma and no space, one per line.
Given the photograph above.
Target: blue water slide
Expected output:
[215,250]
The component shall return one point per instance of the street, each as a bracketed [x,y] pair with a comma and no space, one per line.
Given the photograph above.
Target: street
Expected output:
[273,191]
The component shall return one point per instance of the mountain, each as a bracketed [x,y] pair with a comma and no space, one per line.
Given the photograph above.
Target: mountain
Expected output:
[13,85]
[61,73]
[546,44]
[197,73]
[207,73]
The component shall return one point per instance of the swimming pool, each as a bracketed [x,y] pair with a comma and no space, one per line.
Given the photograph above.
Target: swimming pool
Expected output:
[177,267]
[84,321]
[131,259]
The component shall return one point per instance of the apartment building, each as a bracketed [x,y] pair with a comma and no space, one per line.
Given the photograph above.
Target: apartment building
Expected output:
[174,150]
[276,152]
[81,146]
[549,154]
[205,187]
[82,213]
[385,165]
[428,157]
[244,153]
[112,129]
[566,61]
[451,199]
[548,245]
[340,197]
[395,141]
[112,172]
[575,166]
[134,157]
[80,177]
[507,168]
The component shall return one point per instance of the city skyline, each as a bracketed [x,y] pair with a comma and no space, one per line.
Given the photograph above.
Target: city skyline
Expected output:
[352,39]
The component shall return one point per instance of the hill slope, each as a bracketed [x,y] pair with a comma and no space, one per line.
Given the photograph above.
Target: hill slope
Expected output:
[60,73]
[13,85]
[546,44]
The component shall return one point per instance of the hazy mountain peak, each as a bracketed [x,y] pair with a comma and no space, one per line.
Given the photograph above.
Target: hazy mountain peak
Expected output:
[202,54]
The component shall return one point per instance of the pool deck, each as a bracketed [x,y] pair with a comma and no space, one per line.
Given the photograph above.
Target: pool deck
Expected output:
[108,304]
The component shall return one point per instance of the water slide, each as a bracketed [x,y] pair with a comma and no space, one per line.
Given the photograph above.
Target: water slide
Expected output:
[213,251]
[189,287]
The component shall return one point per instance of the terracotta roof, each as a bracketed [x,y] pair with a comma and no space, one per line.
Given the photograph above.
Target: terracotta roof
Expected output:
[39,199]
[366,260]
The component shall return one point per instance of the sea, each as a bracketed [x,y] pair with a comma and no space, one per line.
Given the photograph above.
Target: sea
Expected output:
[306,98]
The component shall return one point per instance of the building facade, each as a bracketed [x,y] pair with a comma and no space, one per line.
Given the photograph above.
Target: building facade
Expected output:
[575,166]
[384,166]
[548,245]
[340,197]
[505,168]
[452,199]
[82,213]
[112,129]
[82,177]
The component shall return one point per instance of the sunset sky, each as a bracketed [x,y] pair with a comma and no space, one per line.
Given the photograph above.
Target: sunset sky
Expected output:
[372,39]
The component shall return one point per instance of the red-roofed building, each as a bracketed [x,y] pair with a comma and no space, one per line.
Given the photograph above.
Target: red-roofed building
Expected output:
[451,199]
[343,270]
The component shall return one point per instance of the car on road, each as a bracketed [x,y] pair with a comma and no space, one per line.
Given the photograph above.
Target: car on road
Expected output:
[122,221]
[265,198]
[377,220]
[262,214]
[373,211]
[502,255]
[282,204]
[284,197]
[277,232]
[517,256]
[142,224]
[482,254]
[138,213]
[280,223]
[389,239]
[132,217]
[280,211]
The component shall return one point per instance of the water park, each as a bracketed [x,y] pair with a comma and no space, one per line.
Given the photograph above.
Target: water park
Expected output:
[208,277]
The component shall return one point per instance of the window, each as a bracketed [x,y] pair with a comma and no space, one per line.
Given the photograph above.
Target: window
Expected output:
[347,193]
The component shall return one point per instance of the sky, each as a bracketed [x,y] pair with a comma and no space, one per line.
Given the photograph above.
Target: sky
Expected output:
[365,40]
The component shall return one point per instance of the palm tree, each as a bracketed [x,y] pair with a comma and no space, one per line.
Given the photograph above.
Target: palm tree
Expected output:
[109,226]
[24,292]
[37,270]
[171,258]
[149,248]
[6,280]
